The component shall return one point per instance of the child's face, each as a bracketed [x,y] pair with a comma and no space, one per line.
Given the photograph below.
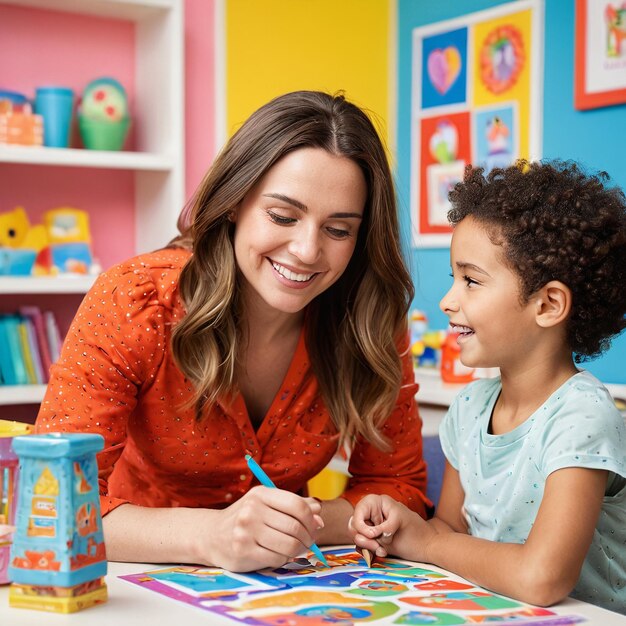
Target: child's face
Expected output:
[483,303]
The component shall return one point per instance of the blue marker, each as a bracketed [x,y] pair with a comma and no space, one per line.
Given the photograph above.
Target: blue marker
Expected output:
[266,481]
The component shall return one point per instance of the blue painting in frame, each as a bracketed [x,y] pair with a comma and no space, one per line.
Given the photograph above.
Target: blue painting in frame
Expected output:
[496,132]
[444,68]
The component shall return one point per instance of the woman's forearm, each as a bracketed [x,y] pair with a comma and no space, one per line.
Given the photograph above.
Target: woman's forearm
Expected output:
[265,528]
[155,535]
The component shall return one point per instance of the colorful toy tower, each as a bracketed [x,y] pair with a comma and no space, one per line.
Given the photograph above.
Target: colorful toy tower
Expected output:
[8,489]
[58,559]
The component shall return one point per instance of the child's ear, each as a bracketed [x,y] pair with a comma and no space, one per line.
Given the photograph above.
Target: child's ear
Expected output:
[553,304]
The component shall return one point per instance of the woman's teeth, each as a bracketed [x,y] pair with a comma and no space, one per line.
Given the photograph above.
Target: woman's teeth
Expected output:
[283,271]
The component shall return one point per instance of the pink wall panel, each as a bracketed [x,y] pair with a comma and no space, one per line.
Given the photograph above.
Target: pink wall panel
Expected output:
[199,91]
[51,47]
[71,50]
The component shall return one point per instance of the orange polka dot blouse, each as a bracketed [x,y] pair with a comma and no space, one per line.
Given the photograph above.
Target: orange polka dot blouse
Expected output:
[116,376]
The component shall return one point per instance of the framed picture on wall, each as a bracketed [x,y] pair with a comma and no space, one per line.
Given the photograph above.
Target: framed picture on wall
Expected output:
[600,53]
[476,99]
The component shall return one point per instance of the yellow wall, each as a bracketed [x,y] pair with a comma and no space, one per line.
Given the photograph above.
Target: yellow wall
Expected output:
[276,46]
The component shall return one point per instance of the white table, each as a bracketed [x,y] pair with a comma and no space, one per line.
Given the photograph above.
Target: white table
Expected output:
[129,605]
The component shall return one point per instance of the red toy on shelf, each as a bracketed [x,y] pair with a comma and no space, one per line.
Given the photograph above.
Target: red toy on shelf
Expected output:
[452,370]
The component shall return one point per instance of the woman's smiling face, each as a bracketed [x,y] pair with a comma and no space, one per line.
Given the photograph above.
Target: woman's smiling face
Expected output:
[296,229]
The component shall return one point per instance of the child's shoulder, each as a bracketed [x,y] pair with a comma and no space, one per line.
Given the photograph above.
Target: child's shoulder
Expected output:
[584,386]
[585,398]
[580,426]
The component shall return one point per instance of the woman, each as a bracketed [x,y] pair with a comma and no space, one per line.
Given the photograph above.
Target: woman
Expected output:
[275,325]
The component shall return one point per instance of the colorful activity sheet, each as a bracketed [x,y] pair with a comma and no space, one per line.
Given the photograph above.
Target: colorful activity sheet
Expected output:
[304,592]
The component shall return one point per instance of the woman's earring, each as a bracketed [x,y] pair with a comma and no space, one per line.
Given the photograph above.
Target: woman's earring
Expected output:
[232,216]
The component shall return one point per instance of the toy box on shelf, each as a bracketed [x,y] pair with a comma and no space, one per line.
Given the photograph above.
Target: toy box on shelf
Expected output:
[18,124]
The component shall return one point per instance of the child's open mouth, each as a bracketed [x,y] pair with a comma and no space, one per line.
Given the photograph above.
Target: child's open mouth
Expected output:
[462,331]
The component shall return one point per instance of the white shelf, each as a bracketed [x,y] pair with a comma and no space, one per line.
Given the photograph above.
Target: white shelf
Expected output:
[434,391]
[74,157]
[45,284]
[157,165]
[134,10]
[158,162]
[21,394]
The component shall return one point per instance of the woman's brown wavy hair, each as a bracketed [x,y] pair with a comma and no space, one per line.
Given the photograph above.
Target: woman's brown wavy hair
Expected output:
[354,327]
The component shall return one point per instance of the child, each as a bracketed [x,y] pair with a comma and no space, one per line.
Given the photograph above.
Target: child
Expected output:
[533,503]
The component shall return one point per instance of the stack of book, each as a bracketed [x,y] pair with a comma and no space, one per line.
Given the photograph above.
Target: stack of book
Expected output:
[30,342]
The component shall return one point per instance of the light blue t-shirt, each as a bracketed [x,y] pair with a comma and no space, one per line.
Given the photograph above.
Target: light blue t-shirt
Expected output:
[503,476]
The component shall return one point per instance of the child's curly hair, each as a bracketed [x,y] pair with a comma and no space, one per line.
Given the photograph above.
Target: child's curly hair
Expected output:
[555,222]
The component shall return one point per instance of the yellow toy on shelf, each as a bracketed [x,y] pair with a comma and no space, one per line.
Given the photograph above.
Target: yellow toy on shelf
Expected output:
[16,231]
[19,242]
[62,244]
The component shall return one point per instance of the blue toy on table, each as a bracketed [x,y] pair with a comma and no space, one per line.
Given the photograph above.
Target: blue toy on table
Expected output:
[58,557]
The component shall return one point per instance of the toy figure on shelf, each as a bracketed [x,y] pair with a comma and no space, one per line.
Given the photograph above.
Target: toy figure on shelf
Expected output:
[69,250]
[425,344]
[58,558]
[61,245]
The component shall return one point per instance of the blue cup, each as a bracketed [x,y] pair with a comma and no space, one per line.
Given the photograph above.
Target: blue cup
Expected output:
[55,105]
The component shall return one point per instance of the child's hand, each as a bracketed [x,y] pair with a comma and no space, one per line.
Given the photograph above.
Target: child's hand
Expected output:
[385,526]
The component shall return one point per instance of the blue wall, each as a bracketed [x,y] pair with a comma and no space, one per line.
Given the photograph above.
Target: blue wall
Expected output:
[596,138]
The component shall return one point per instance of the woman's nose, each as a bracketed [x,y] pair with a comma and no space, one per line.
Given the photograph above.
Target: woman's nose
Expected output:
[305,246]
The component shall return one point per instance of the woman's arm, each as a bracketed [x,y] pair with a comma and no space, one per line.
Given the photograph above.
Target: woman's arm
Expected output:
[543,570]
[265,528]
[113,345]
